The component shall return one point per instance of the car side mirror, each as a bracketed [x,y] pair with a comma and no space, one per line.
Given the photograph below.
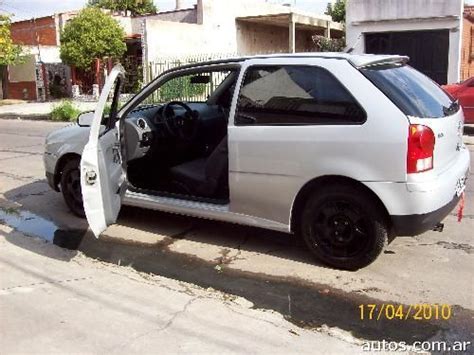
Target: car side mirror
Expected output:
[85,119]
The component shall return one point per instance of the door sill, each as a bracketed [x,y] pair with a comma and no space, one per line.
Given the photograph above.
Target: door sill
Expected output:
[178,196]
[198,209]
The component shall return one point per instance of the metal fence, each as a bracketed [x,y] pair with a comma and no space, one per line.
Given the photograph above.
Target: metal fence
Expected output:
[163,64]
[182,89]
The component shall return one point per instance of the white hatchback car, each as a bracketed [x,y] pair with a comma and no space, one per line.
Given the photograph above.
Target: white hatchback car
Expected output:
[345,150]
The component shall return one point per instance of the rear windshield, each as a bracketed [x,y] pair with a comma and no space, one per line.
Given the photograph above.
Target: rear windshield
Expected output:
[413,92]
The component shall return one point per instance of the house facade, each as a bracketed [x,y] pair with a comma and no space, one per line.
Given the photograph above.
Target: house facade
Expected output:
[39,39]
[430,32]
[209,27]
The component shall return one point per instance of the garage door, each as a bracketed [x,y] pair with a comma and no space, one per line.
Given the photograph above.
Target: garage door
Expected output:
[428,50]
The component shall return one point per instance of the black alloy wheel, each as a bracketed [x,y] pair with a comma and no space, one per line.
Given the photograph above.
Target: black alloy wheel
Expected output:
[344,227]
[71,187]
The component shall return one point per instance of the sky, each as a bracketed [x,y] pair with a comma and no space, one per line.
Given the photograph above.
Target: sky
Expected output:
[24,9]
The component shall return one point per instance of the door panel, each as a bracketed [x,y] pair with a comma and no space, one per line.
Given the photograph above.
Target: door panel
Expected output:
[103,179]
[274,154]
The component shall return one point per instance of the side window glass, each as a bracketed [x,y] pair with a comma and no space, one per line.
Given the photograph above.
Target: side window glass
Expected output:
[109,116]
[293,95]
[195,87]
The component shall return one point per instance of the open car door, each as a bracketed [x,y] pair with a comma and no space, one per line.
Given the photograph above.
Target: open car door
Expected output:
[103,178]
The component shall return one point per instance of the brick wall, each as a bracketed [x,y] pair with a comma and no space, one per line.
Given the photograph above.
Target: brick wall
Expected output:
[16,90]
[27,32]
[467,51]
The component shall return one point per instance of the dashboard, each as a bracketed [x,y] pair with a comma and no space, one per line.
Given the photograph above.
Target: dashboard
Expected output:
[146,132]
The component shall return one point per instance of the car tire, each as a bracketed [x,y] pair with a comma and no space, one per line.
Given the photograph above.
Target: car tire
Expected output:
[71,187]
[344,227]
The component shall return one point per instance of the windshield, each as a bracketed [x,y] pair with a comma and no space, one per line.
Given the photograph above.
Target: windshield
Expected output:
[413,92]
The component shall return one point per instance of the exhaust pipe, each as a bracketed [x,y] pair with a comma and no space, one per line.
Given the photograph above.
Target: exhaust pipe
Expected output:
[439,227]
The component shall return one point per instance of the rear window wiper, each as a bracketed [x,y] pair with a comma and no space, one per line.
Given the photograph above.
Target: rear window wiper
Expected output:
[453,108]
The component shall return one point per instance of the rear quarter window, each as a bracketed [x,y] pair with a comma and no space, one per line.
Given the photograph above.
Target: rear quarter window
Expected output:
[295,95]
[413,92]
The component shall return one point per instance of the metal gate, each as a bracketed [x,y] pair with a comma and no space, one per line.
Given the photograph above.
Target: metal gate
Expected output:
[428,50]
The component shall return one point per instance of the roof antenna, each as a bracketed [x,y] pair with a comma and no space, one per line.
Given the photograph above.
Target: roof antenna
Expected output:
[350,49]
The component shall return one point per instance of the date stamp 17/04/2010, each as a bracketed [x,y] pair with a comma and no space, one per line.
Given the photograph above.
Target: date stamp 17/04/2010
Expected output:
[418,312]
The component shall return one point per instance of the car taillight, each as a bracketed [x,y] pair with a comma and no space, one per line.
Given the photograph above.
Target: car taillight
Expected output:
[421,142]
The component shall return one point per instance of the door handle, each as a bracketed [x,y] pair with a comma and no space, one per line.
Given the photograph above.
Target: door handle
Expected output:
[91,177]
[245,119]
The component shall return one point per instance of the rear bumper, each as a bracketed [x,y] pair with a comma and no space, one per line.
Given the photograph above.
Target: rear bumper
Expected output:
[425,193]
[415,224]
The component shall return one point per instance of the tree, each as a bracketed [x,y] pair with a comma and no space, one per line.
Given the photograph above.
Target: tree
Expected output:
[324,44]
[10,53]
[337,10]
[92,34]
[132,7]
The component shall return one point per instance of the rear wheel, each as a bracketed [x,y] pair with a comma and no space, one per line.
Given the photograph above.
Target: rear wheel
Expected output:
[71,187]
[344,227]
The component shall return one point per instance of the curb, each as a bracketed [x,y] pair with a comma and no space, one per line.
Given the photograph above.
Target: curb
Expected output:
[468,140]
[34,117]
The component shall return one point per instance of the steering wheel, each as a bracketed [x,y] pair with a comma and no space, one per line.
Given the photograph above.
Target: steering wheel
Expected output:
[183,126]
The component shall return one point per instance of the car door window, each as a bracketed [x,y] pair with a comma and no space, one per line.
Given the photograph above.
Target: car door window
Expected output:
[295,95]
[190,87]
[109,116]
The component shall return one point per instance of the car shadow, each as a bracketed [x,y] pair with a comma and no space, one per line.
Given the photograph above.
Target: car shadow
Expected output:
[303,302]
[57,225]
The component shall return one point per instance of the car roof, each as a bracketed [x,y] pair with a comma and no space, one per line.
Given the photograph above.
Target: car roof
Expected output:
[357,60]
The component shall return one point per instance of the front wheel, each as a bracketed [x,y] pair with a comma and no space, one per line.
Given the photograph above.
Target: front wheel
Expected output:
[344,227]
[71,187]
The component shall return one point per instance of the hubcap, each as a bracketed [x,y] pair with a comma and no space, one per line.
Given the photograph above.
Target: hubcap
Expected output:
[340,229]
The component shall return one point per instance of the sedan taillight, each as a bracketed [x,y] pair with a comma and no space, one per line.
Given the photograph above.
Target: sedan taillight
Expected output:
[421,143]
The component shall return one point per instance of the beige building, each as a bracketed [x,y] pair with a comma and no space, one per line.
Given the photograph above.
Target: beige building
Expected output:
[239,26]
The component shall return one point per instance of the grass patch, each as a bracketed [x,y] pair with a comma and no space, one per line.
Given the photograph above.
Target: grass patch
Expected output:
[65,111]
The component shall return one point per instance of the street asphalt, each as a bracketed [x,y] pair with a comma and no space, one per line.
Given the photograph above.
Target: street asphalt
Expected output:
[160,282]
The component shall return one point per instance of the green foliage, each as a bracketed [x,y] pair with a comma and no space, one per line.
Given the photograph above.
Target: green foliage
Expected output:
[10,53]
[65,111]
[132,7]
[337,10]
[180,89]
[324,44]
[92,34]
[108,107]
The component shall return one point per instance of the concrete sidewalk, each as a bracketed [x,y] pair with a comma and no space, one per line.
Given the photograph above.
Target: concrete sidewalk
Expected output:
[56,300]
[38,110]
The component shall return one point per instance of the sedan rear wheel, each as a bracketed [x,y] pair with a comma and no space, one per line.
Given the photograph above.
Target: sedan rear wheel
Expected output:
[344,227]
